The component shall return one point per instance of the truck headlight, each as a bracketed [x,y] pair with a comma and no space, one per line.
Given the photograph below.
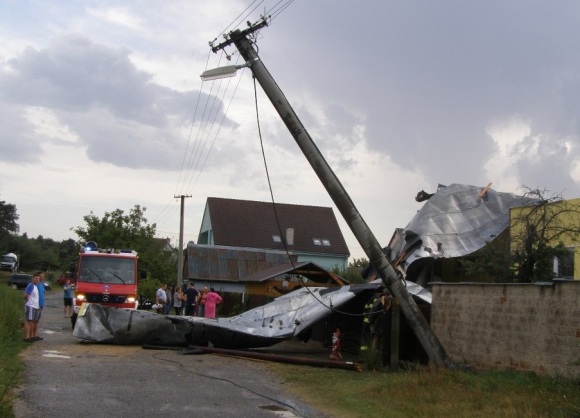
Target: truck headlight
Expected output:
[81,297]
[131,299]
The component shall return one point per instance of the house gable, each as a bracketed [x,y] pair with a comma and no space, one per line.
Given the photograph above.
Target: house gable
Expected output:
[252,224]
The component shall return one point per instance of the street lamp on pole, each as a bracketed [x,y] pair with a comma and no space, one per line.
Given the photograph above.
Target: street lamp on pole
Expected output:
[222,72]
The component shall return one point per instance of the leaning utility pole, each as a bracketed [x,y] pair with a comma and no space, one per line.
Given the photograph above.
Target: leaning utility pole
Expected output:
[389,275]
[180,255]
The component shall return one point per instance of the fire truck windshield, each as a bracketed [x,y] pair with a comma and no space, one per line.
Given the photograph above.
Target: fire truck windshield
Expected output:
[107,270]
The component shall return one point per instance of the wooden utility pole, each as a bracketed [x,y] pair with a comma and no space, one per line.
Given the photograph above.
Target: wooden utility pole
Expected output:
[389,275]
[180,255]
[395,335]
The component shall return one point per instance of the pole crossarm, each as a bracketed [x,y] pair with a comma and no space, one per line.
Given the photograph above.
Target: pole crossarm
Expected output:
[230,37]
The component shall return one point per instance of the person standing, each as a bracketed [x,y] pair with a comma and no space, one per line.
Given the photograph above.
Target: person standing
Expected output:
[178,298]
[161,298]
[169,298]
[191,294]
[68,298]
[31,310]
[201,302]
[211,300]
[41,289]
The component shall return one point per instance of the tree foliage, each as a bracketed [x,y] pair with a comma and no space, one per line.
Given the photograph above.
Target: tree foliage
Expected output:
[536,237]
[353,272]
[147,289]
[8,218]
[359,262]
[117,229]
[8,225]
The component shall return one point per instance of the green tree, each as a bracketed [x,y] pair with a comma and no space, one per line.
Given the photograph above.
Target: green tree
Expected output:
[117,229]
[353,272]
[536,237]
[36,253]
[359,263]
[147,289]
[8,225]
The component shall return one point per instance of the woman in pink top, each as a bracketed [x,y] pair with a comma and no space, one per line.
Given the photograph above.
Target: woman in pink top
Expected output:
[211,300]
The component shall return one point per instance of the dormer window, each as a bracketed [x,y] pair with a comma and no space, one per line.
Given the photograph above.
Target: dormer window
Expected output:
[317,241]
[326,242]
[276,238]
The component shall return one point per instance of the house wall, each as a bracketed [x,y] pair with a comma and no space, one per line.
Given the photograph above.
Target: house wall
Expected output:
[527,327]
[326,261]
[205,235]
[563,218]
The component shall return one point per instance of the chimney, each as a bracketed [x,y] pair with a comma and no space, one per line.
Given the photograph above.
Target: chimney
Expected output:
[290,236]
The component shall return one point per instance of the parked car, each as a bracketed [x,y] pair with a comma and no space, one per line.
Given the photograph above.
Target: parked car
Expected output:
[20,281]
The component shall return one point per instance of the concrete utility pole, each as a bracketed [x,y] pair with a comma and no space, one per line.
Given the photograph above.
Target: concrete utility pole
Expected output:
[389,275]
[180,255]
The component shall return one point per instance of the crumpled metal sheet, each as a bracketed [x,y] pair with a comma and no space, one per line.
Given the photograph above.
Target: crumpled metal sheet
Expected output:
[455,222]
[288,316]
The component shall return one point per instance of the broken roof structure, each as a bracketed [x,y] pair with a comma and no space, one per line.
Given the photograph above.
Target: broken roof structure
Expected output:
[289,316]
[455,221]
[245,270]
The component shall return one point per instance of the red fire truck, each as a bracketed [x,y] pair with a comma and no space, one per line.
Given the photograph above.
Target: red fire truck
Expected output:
[107,277]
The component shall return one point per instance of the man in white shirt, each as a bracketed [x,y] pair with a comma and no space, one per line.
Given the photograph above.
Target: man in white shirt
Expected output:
[161,299]
[31,310]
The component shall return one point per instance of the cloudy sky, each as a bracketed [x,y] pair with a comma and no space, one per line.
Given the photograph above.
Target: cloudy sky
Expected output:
[102,107]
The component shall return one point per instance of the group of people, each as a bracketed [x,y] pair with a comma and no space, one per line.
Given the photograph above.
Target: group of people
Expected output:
[192,301]
[34,297]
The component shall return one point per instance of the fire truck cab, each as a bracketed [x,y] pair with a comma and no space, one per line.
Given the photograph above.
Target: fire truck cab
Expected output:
[107,277]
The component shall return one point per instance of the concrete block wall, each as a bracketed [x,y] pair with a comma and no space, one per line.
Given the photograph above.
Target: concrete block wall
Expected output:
[529,327]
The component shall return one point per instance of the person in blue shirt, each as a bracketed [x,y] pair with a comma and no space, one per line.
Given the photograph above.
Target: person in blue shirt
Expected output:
[41,289]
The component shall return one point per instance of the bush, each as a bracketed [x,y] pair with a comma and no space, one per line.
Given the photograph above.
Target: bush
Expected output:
[147,289]
[11,317]
[371,354]
[11,313]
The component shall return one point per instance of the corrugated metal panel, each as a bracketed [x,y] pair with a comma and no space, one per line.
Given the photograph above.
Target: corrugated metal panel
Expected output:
[223,268]
[214,268]
[242,269]
[223,263]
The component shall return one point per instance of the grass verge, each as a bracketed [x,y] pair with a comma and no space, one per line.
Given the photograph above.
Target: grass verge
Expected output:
[432,393]
[11,335]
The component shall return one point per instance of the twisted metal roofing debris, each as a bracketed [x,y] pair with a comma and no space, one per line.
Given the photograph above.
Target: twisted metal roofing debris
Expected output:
[457,220]
[289,316]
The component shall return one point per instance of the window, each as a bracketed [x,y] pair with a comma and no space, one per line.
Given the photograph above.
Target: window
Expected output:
[565,266]
[326,242]
[276,238]
[316,241]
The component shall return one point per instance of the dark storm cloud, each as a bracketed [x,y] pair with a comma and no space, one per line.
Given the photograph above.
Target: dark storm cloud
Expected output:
[118,112]
[430,76]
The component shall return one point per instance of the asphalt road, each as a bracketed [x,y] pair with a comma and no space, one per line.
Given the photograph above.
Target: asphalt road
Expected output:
[66,377]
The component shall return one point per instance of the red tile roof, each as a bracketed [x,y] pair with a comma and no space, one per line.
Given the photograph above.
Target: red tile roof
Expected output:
[246,223]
